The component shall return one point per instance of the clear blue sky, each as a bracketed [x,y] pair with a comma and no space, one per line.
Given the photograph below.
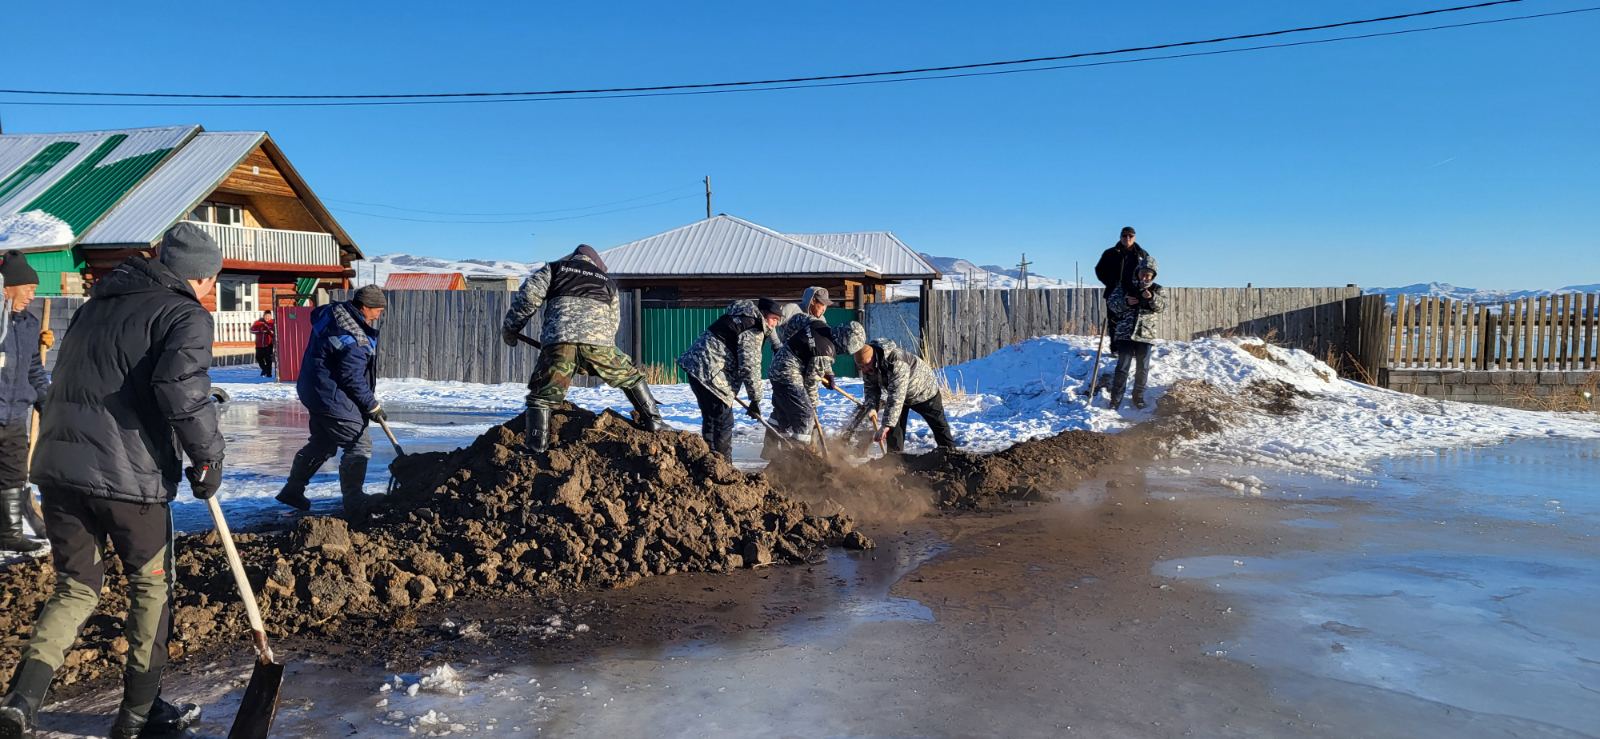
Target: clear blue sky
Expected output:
[1470,156]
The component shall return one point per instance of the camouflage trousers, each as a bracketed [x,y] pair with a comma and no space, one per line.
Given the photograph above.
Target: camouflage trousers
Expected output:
[552,376]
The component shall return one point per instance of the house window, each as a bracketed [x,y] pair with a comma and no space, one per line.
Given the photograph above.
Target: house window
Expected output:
[236,294]
[220,213]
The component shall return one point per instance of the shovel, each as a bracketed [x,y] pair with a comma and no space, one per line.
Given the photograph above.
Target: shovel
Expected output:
[871,415]
[1099,343]
[398,453]
[260,702]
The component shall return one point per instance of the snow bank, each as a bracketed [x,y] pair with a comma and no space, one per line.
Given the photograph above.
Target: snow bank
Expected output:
[33,228]
[1034,389]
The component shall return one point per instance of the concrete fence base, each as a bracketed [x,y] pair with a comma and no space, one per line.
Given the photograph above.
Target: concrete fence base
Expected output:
[1551,390]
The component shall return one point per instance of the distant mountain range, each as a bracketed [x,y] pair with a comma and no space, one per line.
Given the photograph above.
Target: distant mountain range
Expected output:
[1470,294]
[961,274]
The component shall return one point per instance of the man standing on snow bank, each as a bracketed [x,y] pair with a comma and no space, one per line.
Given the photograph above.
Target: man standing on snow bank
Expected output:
[130,397]
[338,384]
[1135,313]
[1117,265]
[23,384]
[896,382]
[726,357]
[581,316]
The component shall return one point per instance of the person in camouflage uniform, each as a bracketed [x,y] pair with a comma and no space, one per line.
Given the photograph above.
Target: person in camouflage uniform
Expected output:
[1135,315]
[725,357]
[581,315]
[802,360]
[895,382]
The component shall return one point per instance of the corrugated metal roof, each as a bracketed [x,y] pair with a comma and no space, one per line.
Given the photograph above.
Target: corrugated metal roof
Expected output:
[725,245]
[425,281]
[882,249]
[77,177]
[174,189]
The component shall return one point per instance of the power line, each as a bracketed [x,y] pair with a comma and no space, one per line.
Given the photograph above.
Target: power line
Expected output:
[842,83]
[405,209]
[784,81]
[349,211]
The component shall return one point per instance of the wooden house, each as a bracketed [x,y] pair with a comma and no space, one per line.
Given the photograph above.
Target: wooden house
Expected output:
[80,203]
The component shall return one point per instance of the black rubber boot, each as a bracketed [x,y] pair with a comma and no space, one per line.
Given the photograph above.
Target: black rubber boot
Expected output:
[536,429]
[162,719]
[300,472]
[647,415]
[12,501]
[352,484]
[21,705]
[1138,400]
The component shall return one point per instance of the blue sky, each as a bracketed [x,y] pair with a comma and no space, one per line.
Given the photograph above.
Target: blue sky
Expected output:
[1469,156]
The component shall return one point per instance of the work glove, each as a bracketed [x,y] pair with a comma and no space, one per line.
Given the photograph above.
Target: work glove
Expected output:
[204,479]
[509,336]
[377,413]
[47,339]
[827,381]
[755,409]
[883,434]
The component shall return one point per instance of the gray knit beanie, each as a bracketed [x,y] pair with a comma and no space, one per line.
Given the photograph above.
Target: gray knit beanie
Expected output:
[371,296]
[190,253]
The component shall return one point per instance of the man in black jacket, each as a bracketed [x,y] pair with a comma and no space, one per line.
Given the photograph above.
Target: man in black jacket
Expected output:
[1120,264]
[23,384]
[130,398]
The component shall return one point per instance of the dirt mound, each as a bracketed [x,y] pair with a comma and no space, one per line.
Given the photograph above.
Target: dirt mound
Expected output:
[608,505]
[1029,471]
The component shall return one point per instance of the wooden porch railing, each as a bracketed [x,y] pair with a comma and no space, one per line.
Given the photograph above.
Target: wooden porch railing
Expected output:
[273,245]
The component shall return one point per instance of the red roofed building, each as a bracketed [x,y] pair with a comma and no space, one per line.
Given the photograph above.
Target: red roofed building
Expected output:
[426,281]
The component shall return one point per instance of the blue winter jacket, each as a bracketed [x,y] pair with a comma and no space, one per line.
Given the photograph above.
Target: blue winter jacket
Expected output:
[22,380]
[339,374]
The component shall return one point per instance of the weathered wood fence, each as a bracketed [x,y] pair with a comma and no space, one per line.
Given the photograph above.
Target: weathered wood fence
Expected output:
[1549,332]
[1329,322]
[455,335]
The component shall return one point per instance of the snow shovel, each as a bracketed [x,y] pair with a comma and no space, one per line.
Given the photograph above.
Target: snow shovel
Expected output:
[1099,343]
[260,703]
[398,453]
[871,415]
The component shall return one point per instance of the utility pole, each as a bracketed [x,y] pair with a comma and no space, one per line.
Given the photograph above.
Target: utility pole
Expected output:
[708,196]
[1022,268]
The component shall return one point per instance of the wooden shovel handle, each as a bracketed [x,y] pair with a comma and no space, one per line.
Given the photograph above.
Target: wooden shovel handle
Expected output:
[246,594]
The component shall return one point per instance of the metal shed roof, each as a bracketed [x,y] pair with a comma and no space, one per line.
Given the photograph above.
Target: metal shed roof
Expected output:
[75,178]
[425,281]
[882,249]
[174,189]
[726,246]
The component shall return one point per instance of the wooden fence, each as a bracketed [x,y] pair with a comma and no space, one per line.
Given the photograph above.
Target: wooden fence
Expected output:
[1325,321]
[1549,332]
[455,335]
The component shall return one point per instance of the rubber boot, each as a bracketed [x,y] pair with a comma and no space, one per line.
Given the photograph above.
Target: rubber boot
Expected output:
[20,707]
[536,429]
[1115,401]
[1138,399]
[648,416]
[352,484]
[300,472]
[12,538]
[30,513]
[161,719]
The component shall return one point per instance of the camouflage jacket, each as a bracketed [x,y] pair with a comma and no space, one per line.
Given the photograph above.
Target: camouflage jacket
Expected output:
[588,311]
[1136,322]
[725,366]
[899,378]
[791,369]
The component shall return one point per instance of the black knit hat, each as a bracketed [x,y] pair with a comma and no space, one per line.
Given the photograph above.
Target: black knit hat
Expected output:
[770,307]
[371,296]
[15,270]
[190,253]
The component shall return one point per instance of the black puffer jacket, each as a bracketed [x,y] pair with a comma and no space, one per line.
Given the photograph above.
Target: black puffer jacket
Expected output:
[130,390]
[1120,267]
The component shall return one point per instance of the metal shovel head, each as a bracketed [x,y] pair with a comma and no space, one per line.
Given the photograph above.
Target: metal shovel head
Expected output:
[260,703]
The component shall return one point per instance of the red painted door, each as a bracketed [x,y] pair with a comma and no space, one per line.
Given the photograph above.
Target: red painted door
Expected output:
[294,332]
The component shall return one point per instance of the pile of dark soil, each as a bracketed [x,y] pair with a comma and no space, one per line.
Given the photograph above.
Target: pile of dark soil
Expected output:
[608,505]
[1029,471]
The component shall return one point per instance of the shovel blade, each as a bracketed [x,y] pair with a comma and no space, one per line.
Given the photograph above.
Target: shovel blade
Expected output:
[260,703]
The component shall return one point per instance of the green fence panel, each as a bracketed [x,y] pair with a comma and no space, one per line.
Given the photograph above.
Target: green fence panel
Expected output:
[668,332]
